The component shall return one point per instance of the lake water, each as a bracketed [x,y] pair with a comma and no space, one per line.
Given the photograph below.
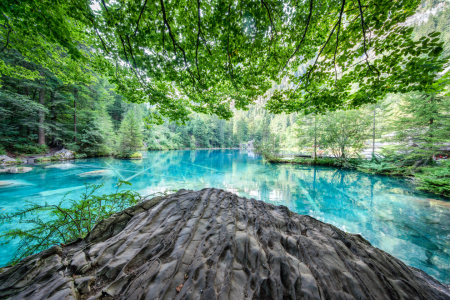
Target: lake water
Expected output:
[413,226]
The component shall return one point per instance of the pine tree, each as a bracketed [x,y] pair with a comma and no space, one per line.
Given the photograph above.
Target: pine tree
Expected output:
[130,135]
[424,128]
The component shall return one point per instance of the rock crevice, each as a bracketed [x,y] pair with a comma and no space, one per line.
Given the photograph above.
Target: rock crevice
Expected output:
[212,244]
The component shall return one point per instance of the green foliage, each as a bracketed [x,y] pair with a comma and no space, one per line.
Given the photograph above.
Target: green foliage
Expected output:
[66,221]
[325,162]
[342,132]
[423,129]
[210,56]
[384,166]
[2,151]
[435,179]
[129,155]
[268,148]
[136,155]
[30,148]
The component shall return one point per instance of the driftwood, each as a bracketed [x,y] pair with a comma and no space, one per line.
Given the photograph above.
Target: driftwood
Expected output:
[212,244]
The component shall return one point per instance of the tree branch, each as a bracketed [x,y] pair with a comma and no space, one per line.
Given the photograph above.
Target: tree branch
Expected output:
[198,38]
[175,44]
[270,16]
[364,36]
[7,40]
[321,50]
[337,41]
[304,33]
[140,15]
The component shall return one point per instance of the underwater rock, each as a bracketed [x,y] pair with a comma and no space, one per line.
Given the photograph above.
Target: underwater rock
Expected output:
[20,169]
[60,166]
[5,183]
[212,244]
[96,173]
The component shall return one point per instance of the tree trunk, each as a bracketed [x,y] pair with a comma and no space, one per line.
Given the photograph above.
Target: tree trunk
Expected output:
[75,95]
[315,138]
[41,132]
[373,137]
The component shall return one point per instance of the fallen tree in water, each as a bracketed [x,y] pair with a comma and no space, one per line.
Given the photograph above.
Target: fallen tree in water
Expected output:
[212,244]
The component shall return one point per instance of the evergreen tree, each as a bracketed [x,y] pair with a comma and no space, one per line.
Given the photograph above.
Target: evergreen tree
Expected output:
[424,128]
[242,130]
[130,134]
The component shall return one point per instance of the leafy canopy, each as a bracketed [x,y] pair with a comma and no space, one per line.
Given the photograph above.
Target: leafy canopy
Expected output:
[210,55]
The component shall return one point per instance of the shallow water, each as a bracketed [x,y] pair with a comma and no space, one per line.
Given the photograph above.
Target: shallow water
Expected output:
[412,226]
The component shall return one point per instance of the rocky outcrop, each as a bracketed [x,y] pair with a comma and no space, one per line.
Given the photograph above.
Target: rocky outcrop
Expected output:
[6,160]
[212,244]
[15,170]
[64,154]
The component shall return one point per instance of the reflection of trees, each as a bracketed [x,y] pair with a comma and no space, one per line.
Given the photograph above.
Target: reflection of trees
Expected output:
[380,208]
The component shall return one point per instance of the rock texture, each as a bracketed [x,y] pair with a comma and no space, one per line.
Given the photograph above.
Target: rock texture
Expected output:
[6,160]
[212,244]
[64,154]
[15,170]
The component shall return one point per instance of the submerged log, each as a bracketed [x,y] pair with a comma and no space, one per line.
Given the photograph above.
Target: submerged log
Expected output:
[212,244]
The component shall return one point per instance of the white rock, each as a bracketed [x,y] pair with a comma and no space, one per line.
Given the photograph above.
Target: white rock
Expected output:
[96,173]
[15,170]
[6,159]
[65,154]
[60,166]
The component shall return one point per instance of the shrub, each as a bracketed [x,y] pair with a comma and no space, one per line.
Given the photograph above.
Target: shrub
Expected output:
[435,179]
[136,155]
[2,151]
[80,155]
[129,155]
[31,149]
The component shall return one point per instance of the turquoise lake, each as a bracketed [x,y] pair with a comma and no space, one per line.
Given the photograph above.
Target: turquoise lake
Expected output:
[413,226]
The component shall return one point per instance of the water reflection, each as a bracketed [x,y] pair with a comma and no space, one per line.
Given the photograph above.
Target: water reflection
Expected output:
[384,210]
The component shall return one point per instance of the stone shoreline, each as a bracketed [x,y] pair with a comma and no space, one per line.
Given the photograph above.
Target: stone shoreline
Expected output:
[212,244]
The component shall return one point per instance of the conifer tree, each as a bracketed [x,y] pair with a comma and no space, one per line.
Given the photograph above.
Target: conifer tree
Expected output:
[424,128]
[130,136]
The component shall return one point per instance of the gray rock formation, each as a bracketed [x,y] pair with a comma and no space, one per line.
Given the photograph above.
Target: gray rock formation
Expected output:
[6,160]
[64,154]
[15,170]
[212,244]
